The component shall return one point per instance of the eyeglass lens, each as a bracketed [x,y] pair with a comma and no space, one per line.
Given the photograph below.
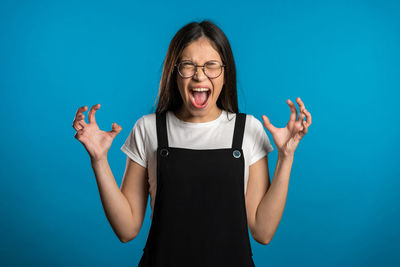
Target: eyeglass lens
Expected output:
[211,69]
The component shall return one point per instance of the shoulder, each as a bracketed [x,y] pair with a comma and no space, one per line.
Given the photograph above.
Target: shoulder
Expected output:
[144,127]
[146,121]
[252,123]
[145,130]
[254,129]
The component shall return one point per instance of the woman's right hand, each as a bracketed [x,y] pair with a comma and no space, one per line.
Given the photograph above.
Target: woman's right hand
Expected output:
[96,142]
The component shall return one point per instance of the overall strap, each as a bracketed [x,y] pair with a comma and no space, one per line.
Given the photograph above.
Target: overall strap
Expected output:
[161,124]
[239,130]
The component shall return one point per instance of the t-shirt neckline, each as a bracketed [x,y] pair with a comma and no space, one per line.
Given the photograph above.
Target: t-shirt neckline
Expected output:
[195,124]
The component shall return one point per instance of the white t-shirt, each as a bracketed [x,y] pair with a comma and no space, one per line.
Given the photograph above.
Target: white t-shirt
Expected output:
[141,144]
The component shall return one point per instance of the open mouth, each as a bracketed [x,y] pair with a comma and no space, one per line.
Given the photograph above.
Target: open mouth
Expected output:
[200,97]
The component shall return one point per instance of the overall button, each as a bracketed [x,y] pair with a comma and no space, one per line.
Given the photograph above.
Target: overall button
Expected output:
[164,152]
[236,154]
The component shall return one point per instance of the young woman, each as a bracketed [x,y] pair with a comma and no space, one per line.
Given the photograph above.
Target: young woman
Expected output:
[204,164]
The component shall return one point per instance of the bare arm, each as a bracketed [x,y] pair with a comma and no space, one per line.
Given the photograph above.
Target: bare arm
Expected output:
[125,208]
[266,201]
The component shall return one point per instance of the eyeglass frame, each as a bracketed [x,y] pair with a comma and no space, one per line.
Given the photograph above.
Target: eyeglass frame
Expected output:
[196,66]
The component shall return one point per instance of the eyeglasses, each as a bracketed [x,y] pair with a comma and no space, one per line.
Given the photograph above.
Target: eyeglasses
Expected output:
[212,69]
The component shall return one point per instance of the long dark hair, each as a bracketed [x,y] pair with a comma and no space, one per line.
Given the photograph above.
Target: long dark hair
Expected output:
[168,93]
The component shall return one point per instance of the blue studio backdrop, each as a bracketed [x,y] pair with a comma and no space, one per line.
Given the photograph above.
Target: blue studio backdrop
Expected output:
[341,57]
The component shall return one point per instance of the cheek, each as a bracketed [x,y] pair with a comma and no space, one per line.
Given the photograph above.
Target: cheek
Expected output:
[218,86]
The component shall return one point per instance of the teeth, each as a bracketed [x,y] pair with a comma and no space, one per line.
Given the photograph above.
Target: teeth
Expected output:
[200,89]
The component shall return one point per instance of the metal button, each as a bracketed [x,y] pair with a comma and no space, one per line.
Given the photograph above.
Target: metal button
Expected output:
[236,154]
[164,152]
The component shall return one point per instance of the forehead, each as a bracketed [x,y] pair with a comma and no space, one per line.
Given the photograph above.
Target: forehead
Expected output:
[199,51]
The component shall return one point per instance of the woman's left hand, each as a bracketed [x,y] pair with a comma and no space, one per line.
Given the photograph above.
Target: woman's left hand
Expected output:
[286,139]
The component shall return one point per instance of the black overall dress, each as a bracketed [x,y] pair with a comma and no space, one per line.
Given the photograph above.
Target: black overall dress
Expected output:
[199,217]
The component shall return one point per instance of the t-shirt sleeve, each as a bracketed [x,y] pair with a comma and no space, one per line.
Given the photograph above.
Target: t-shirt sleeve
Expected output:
[262,145]
[134,146]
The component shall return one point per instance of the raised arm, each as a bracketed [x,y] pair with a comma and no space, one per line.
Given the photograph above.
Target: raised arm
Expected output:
[265,201]
[125,207]
[135,188]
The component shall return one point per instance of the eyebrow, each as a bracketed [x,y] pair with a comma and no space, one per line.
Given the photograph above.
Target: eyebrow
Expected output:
[206,61]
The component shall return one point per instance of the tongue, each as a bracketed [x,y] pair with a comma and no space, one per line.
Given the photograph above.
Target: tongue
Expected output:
[200,97]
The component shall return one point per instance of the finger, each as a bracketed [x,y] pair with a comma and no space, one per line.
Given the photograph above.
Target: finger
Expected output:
[92,111]
[293,110]
[80,136]
[77,135]
[303,109]
[80,111]
[116,129]
[82,123]
[77,126]
[272,129]
[305,124]
[80,117]
[308,114]
[302,116]
[301,104]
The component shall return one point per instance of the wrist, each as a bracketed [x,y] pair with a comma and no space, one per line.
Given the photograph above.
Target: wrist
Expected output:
[96,161]
[285,155]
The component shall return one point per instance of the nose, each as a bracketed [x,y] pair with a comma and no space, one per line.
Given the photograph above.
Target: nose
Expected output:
[196,73]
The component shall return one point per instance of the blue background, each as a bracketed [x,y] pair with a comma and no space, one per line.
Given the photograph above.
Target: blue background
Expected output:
[341,57]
